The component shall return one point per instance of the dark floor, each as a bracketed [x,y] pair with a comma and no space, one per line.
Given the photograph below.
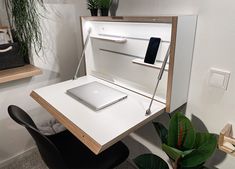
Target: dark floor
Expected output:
[33,161]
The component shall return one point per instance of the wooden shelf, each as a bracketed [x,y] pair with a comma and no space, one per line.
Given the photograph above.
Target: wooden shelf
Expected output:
[157,65]
[110,38]
[19,73]
[3,27]
[226,141]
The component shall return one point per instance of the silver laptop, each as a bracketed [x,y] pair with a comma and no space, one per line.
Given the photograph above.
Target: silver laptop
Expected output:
[96,95]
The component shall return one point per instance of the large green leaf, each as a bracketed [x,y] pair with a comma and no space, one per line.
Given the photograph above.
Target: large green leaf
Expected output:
[205,146]
[174,153]
[181,134]
[197,167]
[162,131]
[202,138]
[150,161]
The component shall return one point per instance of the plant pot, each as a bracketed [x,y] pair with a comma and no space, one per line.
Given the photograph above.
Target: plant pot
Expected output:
[104,12]
[10,56]
[113,7]
[94,12]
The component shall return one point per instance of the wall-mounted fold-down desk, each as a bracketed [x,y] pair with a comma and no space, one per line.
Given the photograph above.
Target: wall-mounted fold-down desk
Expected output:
[97,129]
[112,52]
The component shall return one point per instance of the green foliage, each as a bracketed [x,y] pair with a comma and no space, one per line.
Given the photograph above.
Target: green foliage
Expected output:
[104,4]
[150,161]
[184,146]
[174,153]
[181,132]
[204,148]
[162,131]
[92,4]
[24,19]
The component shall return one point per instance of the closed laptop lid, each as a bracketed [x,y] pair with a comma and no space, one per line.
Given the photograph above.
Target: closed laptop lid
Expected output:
[96,95]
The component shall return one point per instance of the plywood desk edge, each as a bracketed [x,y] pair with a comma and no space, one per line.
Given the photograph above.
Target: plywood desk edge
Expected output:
[132,129]
[80,134]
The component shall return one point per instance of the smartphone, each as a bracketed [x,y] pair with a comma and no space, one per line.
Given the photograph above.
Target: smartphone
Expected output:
[152,50]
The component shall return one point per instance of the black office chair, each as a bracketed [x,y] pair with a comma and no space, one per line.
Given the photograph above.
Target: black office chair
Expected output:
[65,151]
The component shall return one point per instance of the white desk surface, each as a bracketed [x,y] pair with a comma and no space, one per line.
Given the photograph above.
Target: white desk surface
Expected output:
[98,130]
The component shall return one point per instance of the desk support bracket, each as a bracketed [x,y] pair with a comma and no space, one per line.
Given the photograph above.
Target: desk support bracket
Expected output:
[148,111]
[83,54]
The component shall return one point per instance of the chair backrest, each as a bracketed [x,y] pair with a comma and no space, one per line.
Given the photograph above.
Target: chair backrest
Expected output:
[21,117]
[49,153]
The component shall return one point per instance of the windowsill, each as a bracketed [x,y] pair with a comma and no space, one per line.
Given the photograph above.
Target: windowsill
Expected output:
[19,73]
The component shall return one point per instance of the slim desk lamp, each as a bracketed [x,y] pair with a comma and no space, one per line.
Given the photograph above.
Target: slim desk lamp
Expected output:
[148,111]
[83,53]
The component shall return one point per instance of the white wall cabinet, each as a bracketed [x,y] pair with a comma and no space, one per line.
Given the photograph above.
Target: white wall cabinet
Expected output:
[117,48]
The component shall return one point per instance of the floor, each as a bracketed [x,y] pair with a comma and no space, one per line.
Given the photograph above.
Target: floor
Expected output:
[34,161]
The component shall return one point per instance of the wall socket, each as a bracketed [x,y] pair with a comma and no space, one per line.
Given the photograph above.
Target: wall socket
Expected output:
[219,78]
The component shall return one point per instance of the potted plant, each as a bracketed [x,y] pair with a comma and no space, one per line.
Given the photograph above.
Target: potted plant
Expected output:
[24,23]
[104,7]
[93,6]
[186,148]
[113,7]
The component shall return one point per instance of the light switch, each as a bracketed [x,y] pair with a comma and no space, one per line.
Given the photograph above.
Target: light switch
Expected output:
[219,78]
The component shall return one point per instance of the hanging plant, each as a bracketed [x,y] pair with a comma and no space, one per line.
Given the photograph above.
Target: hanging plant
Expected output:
[24,21]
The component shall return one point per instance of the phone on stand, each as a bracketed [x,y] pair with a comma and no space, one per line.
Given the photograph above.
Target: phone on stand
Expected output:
[152,50]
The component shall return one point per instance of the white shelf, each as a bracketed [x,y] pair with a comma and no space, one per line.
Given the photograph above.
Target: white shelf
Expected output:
[110,38]
[157,65]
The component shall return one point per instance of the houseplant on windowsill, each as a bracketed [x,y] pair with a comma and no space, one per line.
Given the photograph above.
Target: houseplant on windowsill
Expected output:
[186,148]
[113,7]
[24,23]
[93,6]
[104,7]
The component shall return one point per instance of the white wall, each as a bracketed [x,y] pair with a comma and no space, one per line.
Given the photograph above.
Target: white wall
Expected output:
[214,47]
[62,45]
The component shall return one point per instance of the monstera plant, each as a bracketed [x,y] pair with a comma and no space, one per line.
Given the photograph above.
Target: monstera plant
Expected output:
[186,148]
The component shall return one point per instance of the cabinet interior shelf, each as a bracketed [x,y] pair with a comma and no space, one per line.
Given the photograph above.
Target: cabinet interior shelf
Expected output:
[19,73]
[157,65]
[110,38]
